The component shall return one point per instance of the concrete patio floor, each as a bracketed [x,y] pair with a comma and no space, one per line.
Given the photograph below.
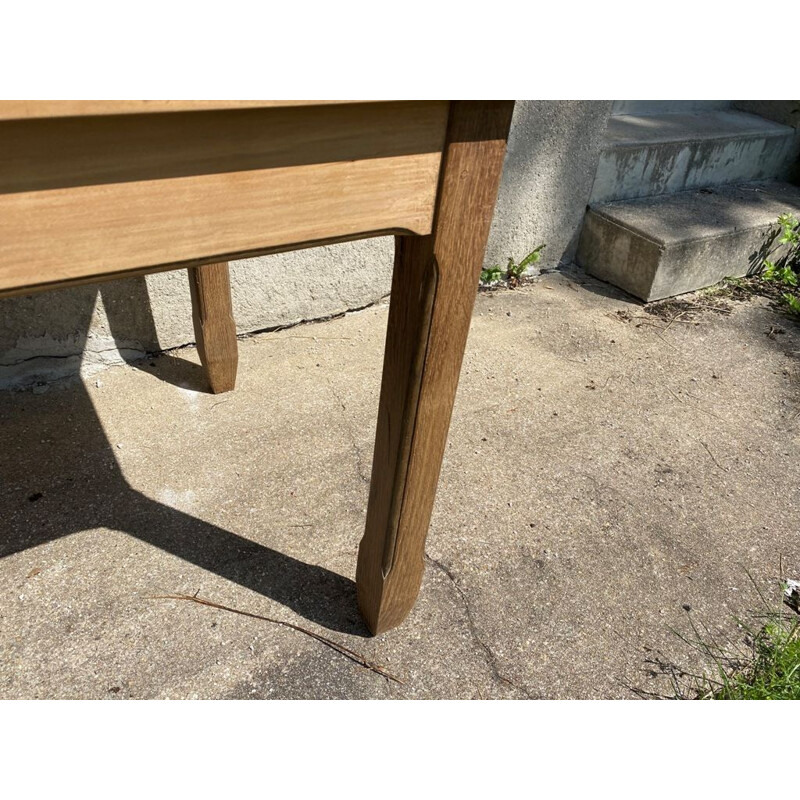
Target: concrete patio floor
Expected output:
[605,469]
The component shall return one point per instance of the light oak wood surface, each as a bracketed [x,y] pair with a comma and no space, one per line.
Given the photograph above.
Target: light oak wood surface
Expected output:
[39,109]
[122,193]
[214,326]
[433,291]
[91,190]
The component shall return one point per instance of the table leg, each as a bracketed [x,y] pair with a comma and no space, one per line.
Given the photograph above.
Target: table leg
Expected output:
[433,293]
[214,326]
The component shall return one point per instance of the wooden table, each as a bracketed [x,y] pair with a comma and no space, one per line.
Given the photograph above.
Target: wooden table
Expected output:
[95,190]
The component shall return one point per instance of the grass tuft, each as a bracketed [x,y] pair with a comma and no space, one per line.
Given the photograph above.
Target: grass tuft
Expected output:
[766,666]
[773,674]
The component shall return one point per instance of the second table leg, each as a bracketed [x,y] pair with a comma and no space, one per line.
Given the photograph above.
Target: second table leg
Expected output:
[214,326]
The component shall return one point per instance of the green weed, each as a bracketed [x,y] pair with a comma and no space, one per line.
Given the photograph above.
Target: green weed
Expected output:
[513,271]
[765,667]
[491,275]
[783,272]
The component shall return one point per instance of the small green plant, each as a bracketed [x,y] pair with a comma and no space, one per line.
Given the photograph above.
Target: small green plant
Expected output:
[773,674]
[790,229]
[491,275]
[783,272]
[765,667]
[514,271]
[793,302]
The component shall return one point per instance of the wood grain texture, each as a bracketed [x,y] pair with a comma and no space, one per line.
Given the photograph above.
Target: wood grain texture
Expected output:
[40,109]
[94,196]
[102,277]
[91,194]
[433,292]
[214,325]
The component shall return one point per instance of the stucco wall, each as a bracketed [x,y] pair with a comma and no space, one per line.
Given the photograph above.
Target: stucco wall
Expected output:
[552,157]
[553,151]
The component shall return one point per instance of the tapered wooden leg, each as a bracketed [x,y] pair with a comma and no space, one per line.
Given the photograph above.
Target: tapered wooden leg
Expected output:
[214,326]
[433,292]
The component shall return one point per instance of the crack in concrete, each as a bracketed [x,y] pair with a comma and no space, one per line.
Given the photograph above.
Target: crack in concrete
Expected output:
[142,354]
[491,659]
[38,358]
[362,472]
[139,355]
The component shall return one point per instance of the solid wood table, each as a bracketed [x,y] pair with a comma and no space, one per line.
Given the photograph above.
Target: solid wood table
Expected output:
[94,190]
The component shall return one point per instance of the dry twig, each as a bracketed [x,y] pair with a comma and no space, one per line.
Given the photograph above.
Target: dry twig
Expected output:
[724,469]
[339,648]
[679,314]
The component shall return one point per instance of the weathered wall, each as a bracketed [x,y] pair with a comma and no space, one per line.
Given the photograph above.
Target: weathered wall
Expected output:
[56,333]
[553,150]
[787,112]
[552,157]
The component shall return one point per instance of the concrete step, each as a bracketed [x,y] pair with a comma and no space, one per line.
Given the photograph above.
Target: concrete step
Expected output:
[667,106]
[663,246]
[665,153]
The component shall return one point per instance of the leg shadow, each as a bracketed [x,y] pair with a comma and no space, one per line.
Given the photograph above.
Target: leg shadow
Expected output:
[311,591]
[59,475]
[130,320]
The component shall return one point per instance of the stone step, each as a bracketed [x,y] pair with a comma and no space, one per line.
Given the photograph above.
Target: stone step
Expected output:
[663,246]
[667,106]
[665,153]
